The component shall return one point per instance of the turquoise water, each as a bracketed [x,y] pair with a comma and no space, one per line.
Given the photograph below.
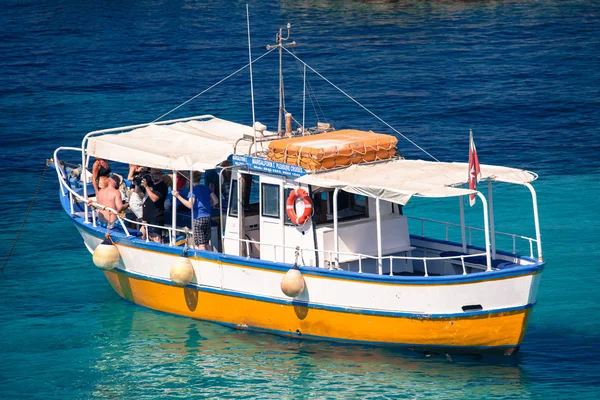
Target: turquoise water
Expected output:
[523,75]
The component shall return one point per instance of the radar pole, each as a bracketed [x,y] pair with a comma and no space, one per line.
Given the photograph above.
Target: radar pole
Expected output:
[279,39]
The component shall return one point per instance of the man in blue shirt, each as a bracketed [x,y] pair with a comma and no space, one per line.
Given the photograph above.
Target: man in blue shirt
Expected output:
[200,200]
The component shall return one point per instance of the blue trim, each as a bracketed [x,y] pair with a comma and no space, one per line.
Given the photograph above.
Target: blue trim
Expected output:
[395,314]
[483,276]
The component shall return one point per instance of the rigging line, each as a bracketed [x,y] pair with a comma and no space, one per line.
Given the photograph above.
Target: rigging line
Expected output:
[25,220]
[311,94]
[313,98]
[363,107]
[216,84]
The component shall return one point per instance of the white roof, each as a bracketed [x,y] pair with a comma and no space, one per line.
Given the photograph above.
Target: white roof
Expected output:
[204,142]
[399,180]
[196,144]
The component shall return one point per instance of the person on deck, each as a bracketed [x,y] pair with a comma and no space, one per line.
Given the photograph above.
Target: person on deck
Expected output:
[153,208]
[136,196]
[99,169]
[110,197]
[201,198]
[135,171]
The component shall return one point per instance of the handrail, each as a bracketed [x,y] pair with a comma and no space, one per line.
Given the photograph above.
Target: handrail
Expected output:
[514,236]
[94,204]
[359,256]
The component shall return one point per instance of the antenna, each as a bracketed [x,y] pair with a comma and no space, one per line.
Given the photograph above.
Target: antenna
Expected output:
[279,39]
[251,81]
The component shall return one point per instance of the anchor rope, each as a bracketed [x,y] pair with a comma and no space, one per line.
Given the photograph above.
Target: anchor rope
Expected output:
[25,220]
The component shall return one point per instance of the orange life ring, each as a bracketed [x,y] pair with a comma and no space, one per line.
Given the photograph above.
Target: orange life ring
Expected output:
[290,206]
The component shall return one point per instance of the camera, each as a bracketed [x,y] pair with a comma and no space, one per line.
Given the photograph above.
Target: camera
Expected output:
[137,180]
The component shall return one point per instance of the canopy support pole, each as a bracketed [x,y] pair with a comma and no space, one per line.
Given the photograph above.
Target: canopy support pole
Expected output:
[173,211]
[192,208]
[462,223]
[492,228]
[378,218]
[84,174]
[336,241]
[282,223]
[536,219]
[486,228]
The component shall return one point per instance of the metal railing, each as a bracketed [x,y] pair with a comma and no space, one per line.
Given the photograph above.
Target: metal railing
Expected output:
[333,256]
[74,196]
[470,230]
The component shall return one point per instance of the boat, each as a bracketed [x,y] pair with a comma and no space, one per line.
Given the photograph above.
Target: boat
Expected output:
[312,238]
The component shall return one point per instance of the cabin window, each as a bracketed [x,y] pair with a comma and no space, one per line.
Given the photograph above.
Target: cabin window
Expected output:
[233,198]
[350,206]
[270,200]
[250,195]
[358,203]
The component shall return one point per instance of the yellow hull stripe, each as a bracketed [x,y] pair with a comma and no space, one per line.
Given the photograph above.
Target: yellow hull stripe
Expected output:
[504,329]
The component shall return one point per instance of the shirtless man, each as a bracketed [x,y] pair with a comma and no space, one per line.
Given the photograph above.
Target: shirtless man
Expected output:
[110,197]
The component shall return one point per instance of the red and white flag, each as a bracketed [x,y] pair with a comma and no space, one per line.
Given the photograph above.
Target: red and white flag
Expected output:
[474,170]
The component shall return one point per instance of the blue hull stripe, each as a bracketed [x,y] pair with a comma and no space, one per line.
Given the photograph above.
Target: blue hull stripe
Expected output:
[120,238]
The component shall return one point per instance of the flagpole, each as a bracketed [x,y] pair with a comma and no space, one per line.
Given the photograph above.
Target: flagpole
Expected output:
[474,170]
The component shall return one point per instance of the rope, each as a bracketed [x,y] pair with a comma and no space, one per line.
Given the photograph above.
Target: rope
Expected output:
[25,220]
[206,90]
[360,105]
[311,94]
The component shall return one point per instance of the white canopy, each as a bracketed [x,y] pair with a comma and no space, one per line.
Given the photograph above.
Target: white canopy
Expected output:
[399,180]
[203,142]
[197,144]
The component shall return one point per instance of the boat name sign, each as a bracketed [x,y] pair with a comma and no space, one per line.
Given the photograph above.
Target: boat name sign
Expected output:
[268,166]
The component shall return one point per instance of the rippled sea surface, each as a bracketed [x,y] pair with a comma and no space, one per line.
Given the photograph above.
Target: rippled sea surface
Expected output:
[524,75]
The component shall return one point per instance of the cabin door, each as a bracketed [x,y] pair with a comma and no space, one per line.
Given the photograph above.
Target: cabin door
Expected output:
[242,229]
[271,219]
[249,215]
[231,239]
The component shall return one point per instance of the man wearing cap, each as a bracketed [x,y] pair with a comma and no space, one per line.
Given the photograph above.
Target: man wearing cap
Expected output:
[153,208]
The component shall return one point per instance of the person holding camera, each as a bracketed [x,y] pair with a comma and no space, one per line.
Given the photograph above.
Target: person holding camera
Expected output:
[153,207]
[135,171]
[201,198]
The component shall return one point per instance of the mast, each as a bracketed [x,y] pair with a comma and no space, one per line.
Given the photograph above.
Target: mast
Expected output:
[279,39]
[251,82]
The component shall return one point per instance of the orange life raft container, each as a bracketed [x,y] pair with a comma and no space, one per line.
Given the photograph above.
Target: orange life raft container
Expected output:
[333,149]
